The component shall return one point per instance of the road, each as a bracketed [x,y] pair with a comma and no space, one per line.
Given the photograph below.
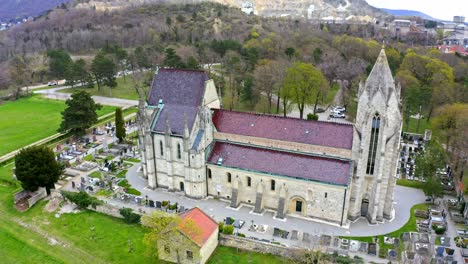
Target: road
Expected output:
[54,93]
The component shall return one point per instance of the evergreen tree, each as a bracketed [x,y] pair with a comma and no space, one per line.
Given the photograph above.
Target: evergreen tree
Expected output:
[119,125]
[36,167]
[104,70]
[192,63]
[172,60]
[60,63]
[80,113]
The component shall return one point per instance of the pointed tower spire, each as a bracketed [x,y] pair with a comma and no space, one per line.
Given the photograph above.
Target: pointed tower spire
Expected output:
[380,77]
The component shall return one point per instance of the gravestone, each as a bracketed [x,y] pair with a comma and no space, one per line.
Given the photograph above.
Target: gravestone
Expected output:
[73,185]
[83,180]
[151,203]
[158,204]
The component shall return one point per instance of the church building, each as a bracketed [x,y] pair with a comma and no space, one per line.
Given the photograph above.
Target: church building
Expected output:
[319,170]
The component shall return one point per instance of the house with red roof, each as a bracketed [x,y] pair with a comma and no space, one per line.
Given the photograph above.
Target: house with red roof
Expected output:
[193,241]
[318,170]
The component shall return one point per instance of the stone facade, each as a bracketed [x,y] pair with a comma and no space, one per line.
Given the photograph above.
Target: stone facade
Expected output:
[177,160]
[375,145]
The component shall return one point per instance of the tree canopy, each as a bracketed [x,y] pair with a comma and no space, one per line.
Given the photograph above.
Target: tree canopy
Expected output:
[104,70]
[303,84]
[119,124]
[80,113]
[36,167]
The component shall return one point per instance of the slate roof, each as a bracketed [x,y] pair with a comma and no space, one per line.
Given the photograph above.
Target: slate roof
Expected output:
[284,128]
[181,92]
[176,115]
[205,224]
[177,86]
[302,166]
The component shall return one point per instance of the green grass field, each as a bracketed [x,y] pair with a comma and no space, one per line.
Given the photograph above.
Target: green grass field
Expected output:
[125,89]
[30,119]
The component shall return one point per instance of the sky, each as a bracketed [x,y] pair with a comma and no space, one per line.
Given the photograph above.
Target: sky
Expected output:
[441,9]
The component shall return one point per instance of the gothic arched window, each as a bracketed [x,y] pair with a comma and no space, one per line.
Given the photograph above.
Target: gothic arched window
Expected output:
[374,139]
[179,153]
[161,148]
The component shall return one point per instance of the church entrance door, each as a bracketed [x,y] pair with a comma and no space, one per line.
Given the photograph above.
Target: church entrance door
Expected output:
[364,207]
[182,186]
[298,206]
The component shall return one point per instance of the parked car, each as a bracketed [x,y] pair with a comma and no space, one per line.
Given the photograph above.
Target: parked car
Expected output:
[339,109]
[337,115]
[52,83]
[319,110]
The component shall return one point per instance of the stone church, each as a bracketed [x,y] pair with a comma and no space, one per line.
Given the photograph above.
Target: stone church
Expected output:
[319,170]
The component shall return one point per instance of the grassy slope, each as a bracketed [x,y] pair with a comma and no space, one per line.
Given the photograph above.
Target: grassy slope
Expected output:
[124,90]
[31,119]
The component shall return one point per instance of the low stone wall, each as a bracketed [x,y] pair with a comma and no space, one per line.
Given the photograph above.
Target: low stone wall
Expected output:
[107,209]
[36,196]
[257,246]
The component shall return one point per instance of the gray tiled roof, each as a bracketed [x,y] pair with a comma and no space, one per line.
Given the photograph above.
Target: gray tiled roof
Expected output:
[181,92]
[175,86]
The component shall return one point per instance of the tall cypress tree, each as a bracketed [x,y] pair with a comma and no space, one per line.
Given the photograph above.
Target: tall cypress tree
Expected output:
[119,124]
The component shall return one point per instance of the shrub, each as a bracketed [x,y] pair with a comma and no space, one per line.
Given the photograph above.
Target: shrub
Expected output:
[81,199]
[312,117]
[240,234]
[130,217]
[440,230]
[133,191]
[221,226]
[228,229]
[173,206]
[165,203]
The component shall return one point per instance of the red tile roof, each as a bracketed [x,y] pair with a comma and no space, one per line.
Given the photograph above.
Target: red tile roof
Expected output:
[284,128]
[205,223]
[322,169]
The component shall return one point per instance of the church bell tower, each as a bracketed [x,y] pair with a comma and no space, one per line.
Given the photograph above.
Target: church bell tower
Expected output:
[376,145]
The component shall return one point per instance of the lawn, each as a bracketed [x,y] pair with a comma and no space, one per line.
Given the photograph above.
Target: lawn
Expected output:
[413,125]
[30,119]
[125,89]
[227,255]
[411,184]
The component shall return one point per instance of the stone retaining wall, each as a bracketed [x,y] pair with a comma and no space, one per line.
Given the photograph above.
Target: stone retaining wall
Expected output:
[257,246]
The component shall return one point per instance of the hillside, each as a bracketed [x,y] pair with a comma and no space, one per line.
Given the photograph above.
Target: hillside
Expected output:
[10,9]
[312,9]
[408,13]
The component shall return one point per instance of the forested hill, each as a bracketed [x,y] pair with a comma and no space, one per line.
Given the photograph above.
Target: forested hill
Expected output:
[81,30]
[11,9]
